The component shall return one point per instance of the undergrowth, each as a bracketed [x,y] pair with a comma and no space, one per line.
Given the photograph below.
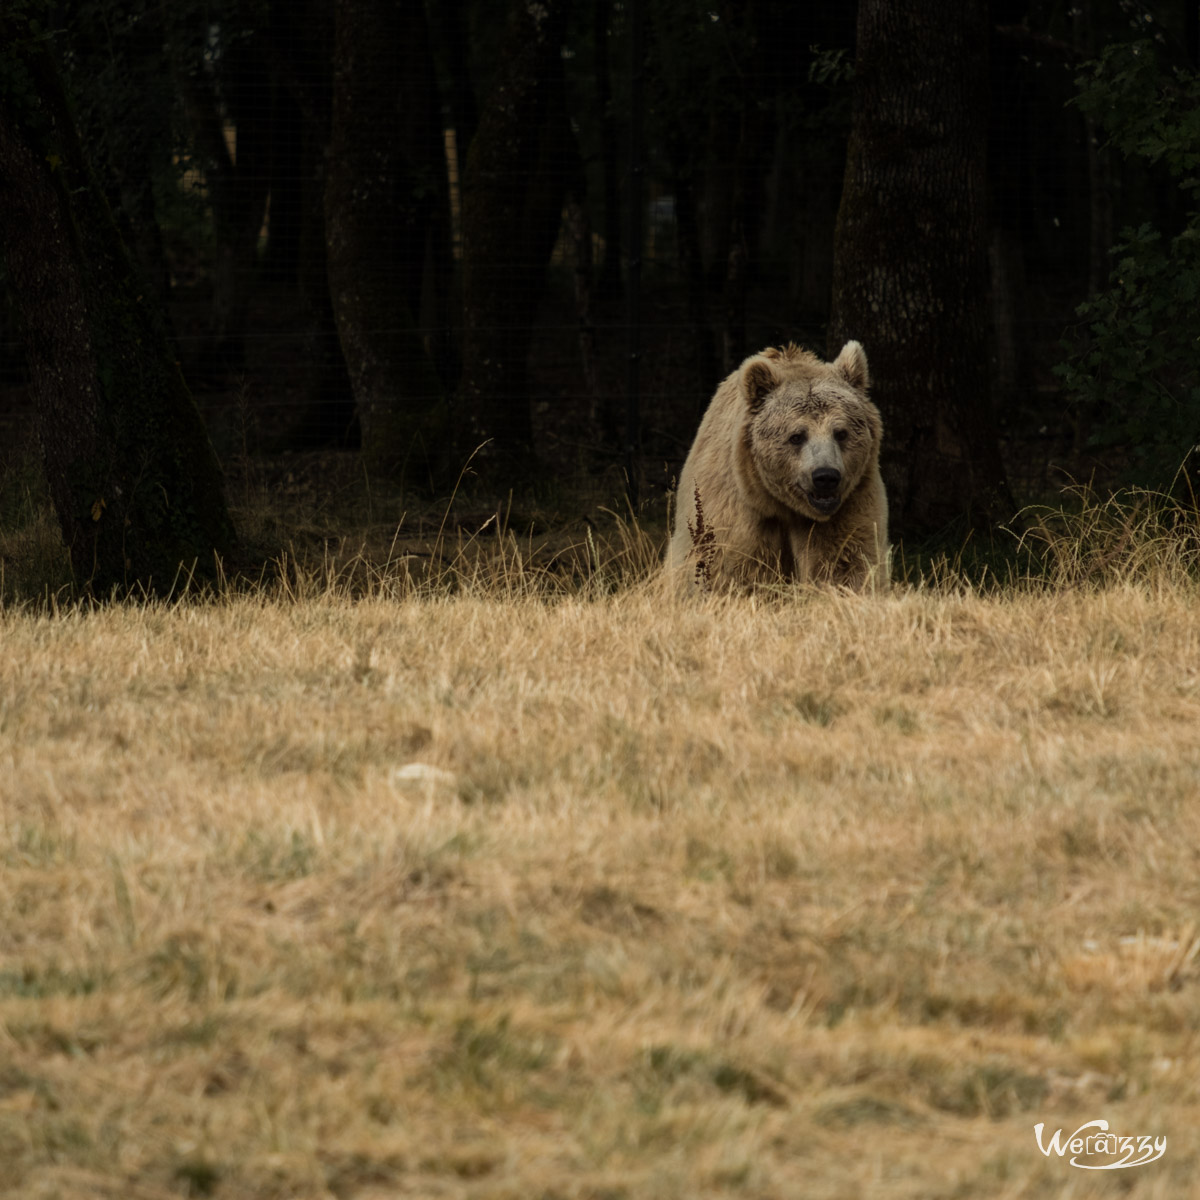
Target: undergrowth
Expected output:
[1085,540]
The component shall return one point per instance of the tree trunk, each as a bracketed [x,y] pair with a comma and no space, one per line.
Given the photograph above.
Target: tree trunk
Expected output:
[608,286]
[285,219]
[701,363]
[718,186]
[301,43]
[685,175]
[1013,375]
[330,414]
[122,94]
[579,232]
[513,192]
[733,334]
[911,266]
[753,112]
[1009,154]
[450,36]
[1100,204]
[238,92]
[385,178]
[131,472]
[812,278]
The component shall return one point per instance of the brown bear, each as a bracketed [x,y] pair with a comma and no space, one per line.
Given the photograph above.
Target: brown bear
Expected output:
[782,481]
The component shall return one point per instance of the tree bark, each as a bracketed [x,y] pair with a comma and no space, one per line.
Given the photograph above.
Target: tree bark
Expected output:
[301,44]
[385,179]
[285,219]
[1100,202]
[750,114]
[237,91]
[451,39]
[122,92]
[131,473]
[1009,154]
[579,232]
[910,257]
[608,285]
[513,190]
[701,361]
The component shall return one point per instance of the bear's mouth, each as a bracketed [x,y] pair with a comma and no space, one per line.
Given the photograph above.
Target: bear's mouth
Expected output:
[825,505]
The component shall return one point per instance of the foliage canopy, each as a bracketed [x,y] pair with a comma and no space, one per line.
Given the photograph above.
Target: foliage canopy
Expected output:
[1132,364]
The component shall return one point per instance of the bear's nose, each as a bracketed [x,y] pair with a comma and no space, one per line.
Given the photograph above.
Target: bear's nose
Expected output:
[825,480]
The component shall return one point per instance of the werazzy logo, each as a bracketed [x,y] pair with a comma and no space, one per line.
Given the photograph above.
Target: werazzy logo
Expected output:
[1132,1151]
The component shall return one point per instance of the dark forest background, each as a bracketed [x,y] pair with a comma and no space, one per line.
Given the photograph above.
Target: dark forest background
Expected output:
[383,238]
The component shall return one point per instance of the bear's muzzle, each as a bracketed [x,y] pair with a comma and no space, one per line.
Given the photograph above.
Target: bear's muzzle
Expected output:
[823,495]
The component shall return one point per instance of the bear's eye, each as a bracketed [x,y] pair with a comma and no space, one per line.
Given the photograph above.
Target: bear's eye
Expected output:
[840,435]
[798,439]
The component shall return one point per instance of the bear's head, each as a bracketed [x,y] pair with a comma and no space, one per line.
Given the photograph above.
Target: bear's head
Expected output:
[811,432]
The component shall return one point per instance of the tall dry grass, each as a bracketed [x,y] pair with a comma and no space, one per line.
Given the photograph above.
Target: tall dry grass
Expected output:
[514,876]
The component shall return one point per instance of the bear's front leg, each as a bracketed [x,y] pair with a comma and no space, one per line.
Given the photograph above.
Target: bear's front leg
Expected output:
[862,564]
[828,554]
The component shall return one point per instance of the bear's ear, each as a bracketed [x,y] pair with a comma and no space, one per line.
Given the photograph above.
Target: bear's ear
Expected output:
[758,382]
[851,365]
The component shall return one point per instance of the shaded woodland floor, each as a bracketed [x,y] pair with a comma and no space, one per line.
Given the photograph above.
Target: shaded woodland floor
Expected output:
[296,492]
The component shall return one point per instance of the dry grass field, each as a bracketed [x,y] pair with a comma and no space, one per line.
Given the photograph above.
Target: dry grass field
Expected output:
[520,889]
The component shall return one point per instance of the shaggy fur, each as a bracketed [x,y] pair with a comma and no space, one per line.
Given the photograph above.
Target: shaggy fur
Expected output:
[783,477]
